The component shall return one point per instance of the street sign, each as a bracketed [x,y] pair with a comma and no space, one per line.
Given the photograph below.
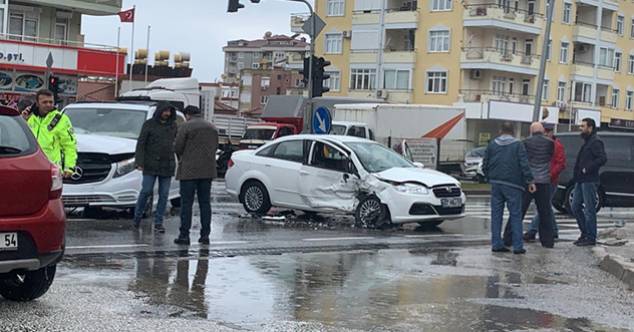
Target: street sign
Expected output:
[322,121]
[319,25]
[49,60]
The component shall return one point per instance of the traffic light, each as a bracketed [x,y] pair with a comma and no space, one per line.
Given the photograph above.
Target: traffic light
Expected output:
[319,76]
[53,86]
[235,5]
[305,71]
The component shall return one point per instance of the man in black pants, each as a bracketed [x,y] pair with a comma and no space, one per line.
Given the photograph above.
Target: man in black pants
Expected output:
[540,151]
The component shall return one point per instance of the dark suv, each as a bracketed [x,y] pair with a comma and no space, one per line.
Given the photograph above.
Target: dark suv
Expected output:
[617,176]
[32,218]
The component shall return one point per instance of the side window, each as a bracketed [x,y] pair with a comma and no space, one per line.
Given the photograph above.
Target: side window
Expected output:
[285,132]
[371,134]
[618,150]
[356,131]
[267,151]
[290,150]
[327,157]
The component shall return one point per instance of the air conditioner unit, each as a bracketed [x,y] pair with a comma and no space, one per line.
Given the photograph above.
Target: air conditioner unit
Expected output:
[383,94]
[529,19]
[481,11]
[475,74]
[477,97]
[347,34]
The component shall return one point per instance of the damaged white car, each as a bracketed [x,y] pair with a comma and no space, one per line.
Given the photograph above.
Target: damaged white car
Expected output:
[326,173]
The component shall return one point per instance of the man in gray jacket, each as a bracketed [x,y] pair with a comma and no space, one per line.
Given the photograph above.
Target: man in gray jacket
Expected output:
[196,145]
[540,149]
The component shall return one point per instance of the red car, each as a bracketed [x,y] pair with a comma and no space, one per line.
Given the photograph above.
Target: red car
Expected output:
[32,218]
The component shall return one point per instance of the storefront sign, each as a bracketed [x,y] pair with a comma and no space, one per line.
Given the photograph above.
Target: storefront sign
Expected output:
[623,124]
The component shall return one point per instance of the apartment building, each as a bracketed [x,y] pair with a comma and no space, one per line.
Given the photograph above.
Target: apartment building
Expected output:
[257,85]
[30,30]
[272,51]
[485,55]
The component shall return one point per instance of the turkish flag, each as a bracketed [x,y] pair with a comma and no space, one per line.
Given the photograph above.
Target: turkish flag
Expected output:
[127,16]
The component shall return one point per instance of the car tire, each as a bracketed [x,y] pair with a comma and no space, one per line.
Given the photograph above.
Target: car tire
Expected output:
[255,198]
[27,286]
[430,224]
[569,197]
[371,213]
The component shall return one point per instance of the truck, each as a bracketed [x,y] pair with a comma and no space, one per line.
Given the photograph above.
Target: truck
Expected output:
[417,124]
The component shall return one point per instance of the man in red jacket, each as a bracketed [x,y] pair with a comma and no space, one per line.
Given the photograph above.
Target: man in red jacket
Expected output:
[557,165]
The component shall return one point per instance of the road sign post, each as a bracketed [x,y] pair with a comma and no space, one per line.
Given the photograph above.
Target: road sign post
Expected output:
[321,121]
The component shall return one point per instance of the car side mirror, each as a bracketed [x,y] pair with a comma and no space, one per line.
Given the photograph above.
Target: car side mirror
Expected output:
[418,164]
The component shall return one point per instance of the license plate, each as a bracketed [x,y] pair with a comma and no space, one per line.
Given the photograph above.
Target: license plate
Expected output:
[8,241]
[451,202]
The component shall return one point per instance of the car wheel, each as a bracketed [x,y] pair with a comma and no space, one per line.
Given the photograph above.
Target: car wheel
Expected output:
[430,224]
[27,286]
[176,202]
[371,213]
[570,196]
[255,198]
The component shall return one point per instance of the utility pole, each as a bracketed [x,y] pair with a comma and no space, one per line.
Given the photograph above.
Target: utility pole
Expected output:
[542,66]
[308,114]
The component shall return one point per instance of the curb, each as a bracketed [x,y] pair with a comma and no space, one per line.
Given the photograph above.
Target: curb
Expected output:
[616,266]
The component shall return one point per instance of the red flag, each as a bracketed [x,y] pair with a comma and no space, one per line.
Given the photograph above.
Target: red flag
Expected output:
[127,16]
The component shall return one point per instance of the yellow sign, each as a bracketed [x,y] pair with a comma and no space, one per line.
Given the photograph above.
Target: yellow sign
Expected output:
[484,139]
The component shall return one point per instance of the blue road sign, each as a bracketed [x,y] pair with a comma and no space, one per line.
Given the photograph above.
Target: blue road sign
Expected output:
[322,121]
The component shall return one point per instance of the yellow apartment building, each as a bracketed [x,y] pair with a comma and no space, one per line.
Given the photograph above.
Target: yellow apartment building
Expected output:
[485,55]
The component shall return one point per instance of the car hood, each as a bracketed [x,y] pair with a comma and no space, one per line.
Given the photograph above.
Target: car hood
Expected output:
[425,176]
[104,144]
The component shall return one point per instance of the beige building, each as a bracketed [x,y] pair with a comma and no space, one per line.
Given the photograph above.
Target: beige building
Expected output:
[484,55]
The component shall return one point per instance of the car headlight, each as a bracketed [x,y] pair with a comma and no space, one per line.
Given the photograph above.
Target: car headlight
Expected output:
[124,167]
[410,188]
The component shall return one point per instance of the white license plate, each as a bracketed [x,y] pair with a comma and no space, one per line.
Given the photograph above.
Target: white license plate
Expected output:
[8,241]
[451,202]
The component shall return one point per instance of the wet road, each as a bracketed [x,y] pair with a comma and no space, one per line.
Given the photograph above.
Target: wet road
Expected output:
[303,274]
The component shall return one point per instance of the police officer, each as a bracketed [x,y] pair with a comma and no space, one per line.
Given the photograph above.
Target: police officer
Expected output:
[53,131]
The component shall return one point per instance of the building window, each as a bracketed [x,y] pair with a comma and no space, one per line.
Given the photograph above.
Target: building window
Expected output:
[583,92]
[545,90]
[255,65]
[615,98]
[439,41]
[620,23]
[394,79]
[606,57]
[334,82]
[265,83]
[240,65]
[561,92]
[334,43]
[264,100]
[567,11]
[61,29]
[526,87]
[498,85]
[336,7]
[363,79]
[437,82]
[549,49]
[631,65]
[23,27]
[563,56]
[502,44]
[628,101]
[439,5]
[632,28]
[240,55]
[618,56]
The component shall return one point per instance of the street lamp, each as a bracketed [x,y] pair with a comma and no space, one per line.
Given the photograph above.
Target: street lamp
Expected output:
[550,5]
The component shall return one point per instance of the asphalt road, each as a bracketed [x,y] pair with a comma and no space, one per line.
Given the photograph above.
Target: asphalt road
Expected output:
[306,274]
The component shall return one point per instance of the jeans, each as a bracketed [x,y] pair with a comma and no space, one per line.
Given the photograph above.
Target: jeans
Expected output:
[584,208]
[501,194]
[147,189]
[542,199]
[201,188]
[535,222]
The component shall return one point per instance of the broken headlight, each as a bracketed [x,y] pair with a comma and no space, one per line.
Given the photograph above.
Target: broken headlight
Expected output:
[411,188]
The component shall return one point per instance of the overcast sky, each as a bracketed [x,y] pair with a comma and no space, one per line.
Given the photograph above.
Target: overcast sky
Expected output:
[199,27]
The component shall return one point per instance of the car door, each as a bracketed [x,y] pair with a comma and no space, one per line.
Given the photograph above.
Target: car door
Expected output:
[325,181]
[282,167]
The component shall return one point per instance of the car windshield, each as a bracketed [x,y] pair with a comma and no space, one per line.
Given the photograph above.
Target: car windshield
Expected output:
[108,122]
[338,130]
[476,153]
[259,134]
[376,158]
[13,137]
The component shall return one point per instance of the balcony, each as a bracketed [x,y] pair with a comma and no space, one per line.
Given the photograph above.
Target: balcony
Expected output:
[401,17]
[366,56]
[493,15]
[363,18]
[475,95]
[399,56]
[89,7]
[588,33]
[605,73]
[494,59]
[582,68]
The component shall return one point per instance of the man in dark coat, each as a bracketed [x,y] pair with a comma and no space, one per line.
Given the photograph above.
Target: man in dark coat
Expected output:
[155,158]
[196,145]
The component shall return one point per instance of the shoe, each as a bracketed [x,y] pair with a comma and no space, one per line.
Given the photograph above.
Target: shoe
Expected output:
[529,236]
[552,246]
[519,252]
[159,229]
[503,249]
[579,240]
[586,243]
[203,240]
[181,241]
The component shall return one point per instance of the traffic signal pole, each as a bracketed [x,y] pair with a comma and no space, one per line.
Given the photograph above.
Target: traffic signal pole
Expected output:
[542,66]
[308,113]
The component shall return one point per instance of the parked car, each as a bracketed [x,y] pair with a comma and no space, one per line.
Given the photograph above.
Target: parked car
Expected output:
[324,173]
[473,161]
[356,129]
[262,133]
[617,176]
[32,218]
[106,141]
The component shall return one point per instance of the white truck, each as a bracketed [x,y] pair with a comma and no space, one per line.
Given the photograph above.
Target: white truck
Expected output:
[393,123]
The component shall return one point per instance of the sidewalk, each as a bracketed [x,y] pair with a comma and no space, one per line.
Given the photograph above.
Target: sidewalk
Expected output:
[616,252]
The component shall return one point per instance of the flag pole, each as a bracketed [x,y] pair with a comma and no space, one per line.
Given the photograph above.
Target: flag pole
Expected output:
[148,53]
[132,46]
[116,70]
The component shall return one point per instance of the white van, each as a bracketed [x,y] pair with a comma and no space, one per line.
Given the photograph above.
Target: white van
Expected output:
[106,141]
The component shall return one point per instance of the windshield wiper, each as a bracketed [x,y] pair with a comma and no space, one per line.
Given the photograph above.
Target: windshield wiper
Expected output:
[9,149]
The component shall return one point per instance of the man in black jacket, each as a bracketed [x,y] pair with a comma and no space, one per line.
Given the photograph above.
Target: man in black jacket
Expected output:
[586,176]
[155,158]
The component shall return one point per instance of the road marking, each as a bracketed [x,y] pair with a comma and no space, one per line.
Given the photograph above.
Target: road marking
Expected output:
[109,246]
[339,238]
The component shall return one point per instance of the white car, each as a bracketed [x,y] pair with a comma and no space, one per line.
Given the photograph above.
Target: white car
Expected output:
[106,141]
[323,173]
